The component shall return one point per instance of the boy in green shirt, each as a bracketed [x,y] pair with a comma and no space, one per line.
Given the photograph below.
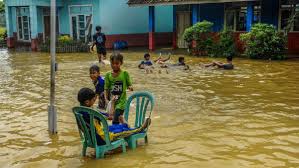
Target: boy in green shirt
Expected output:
[116,83]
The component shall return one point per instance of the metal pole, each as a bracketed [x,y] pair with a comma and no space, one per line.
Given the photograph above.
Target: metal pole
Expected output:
[52,113]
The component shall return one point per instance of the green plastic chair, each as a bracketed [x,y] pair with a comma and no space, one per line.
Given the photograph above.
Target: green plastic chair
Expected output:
[142,101]
[87,133]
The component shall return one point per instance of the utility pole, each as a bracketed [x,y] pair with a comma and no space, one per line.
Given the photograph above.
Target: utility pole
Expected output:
[52,111]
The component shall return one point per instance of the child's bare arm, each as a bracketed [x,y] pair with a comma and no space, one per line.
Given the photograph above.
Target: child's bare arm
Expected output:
[106,92]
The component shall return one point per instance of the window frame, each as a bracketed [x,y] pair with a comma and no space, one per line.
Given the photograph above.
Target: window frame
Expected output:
[22,25]
[235,11]
[281,9]
[77,21]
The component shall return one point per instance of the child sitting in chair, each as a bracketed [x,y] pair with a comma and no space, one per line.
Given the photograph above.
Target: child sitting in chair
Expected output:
[87,98]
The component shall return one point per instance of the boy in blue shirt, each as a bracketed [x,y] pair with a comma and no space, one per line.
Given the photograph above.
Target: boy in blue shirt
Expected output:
[146,62]
[99,83]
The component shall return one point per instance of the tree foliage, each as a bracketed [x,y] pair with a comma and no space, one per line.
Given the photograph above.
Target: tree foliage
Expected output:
[2,7]
[264,42]
[201,33]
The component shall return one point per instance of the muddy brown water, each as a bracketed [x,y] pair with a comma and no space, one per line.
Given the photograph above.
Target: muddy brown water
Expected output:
[248,117]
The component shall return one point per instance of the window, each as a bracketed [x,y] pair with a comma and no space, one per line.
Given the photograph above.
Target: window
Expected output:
[287,11]
[236,14]
[81,22]
[80,27]
[23,24]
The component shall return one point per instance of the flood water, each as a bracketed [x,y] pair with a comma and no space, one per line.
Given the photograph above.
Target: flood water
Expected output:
[248,117]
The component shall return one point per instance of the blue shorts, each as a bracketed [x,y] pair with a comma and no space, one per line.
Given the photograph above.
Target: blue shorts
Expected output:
[117,128]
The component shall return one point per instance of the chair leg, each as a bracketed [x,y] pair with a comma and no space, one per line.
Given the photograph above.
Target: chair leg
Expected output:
[132,144]
[124,147]
[146,139]
[99,154]
[84,150]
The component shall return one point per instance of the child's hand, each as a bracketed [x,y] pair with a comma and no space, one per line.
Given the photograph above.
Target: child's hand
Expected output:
[131,88]
[106,101]
[114,98]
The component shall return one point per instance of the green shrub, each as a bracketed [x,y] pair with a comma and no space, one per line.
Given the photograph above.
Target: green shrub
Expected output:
[188,36]
[225,46]
[65,40]
[3,33]
[264,42]
[203,37]
[201,33]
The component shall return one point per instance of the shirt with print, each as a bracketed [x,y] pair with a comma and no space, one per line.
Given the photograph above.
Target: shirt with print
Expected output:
[118,86]
[100,39]
[99,85]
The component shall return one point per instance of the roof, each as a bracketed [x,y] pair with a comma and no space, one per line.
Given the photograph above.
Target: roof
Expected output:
[176,2]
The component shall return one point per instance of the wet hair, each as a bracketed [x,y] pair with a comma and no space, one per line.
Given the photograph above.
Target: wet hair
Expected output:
[94,68]
[98,28]
[147,55]
[229,58]
[181,59]
[117,57]
[85,94]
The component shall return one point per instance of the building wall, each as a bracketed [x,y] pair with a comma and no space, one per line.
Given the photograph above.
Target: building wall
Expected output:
[213,13]
[14,19]
[40,23]
[116,17]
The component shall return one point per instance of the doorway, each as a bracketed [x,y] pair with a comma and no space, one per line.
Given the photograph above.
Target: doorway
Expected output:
[183,22]
[47,27]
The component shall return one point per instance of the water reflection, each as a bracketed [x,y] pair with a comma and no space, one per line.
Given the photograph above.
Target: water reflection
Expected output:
[209,118]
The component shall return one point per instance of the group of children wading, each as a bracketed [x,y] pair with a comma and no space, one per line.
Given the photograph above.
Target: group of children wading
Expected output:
[111,89]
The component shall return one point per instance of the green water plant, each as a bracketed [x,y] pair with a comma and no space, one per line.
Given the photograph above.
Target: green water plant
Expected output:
[264,42]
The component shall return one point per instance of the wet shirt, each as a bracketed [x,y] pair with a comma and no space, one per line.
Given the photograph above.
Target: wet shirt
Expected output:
[100,39]
[118,86]
[228,66]
[99,85]
[145,62]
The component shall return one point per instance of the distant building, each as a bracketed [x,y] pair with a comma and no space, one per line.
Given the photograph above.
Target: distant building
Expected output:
[145,22]
[28,21]
[239,15]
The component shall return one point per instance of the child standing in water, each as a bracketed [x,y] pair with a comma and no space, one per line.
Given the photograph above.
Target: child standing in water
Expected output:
[99,82]
[116,83]
[99,40]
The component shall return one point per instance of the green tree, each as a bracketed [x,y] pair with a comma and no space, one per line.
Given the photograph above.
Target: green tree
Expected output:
[2,7]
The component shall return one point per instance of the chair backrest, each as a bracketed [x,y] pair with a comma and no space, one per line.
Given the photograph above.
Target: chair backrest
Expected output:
[87,131]
[142,101]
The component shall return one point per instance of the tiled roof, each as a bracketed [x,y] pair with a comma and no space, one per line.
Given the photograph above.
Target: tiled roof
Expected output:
[175,2]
